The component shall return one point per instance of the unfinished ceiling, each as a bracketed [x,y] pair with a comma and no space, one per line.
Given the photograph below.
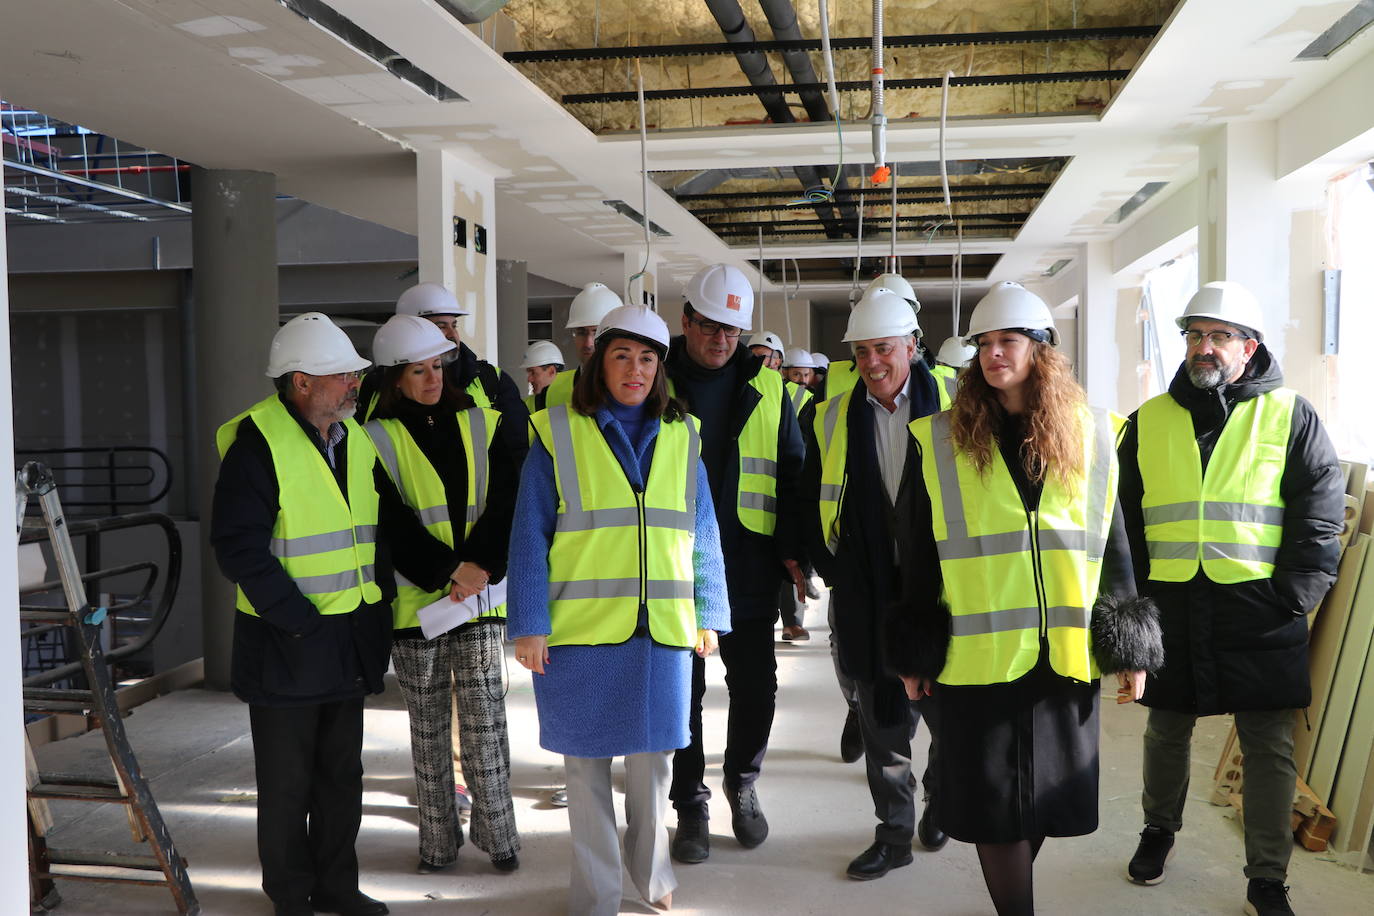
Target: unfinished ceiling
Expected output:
[1086,49]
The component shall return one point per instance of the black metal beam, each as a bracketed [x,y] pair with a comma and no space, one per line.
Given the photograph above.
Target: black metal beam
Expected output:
[879,233]
[857,192]
[901,199]
[722,92]
[753,225]
[1033,36]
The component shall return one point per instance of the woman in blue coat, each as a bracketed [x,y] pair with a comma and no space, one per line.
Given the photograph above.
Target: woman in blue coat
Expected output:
[616,577]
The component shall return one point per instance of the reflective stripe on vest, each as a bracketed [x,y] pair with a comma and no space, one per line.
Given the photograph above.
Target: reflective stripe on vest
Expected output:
[758,455]
[614,549]
[948,377]
[326,544]
[993,558]
[799,395]
[1230,519]
[561,388]
[832,438]
[422,489]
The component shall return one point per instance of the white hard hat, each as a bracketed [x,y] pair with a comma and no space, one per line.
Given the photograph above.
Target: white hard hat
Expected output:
[1010,305]
[542,353]
[590,305]
[797,358]
[425,299]
[638,320]
[898,284]
[954,352]
[881,313]
[1226,302]
[722,293]
[821,360]
[407,339]
[767,339]
[312,344]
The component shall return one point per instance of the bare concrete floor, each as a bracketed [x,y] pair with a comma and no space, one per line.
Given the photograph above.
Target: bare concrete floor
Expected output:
[195,747]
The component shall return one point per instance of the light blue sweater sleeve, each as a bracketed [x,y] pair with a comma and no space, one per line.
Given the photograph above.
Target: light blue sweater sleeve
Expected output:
[708,565]
[531,535]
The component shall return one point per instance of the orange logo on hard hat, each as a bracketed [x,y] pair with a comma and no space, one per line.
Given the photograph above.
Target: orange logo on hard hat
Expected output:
[732,302]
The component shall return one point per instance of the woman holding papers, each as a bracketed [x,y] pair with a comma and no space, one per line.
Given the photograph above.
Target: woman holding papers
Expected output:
[616,578]
[456,474]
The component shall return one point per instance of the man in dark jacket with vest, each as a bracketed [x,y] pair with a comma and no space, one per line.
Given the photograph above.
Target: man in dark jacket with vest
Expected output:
[305,522]
[1233,501]
[752,450]
[860,461]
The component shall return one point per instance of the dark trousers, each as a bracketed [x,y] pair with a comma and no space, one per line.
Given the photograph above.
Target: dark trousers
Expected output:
[751,679]
[310,798]
[887,753]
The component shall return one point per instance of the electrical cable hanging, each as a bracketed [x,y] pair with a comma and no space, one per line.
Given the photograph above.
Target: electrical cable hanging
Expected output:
[958,274]
[644,193]
[858,251]
[820,193]
[786,303]
[760,297]
[892,252]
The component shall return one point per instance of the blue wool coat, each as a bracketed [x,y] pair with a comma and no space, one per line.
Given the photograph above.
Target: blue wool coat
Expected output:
[608,701]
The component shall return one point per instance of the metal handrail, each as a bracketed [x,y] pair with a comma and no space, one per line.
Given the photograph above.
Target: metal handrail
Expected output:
[95,527]
[111,483]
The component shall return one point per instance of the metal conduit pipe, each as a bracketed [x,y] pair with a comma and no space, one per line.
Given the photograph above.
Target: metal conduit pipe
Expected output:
[735,28]
[879,117]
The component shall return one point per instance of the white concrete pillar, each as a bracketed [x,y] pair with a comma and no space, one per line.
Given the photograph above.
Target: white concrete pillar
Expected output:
[14,879]
[1098,357]
[457,205]
[1244,223]
[234,258]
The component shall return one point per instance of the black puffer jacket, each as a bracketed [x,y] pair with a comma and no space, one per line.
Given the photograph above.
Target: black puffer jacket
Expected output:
[1244,646]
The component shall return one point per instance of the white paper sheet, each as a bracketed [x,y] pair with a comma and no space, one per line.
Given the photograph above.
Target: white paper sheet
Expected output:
[443,615]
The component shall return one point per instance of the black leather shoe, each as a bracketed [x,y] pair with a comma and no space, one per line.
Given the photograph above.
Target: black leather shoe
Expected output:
[928,834]
[851,739]
[747,820]
[358,905]
[877,860]
[692,842]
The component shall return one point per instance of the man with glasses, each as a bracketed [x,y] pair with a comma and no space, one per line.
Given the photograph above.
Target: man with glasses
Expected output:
[305,522]
[1233,502]
[752,449]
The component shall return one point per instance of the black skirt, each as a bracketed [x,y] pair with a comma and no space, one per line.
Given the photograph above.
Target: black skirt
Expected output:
[1017,761]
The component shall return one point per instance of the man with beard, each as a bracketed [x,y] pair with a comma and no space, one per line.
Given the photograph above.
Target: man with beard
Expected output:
[1233,502]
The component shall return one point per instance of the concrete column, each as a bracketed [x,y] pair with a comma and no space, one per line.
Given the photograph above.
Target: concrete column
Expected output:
[14,883]
[1244,223]
[1097,305]
[512,317]
[234,257]
[450,190]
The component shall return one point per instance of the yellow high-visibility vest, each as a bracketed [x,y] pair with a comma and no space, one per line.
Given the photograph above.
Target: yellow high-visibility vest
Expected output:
[326,544]
[799,396]
[616,549]
[422,489]
[1229,520]
[560,389]
[1011,576]
[475,390]
[841,376]
[832,438]
[948,377]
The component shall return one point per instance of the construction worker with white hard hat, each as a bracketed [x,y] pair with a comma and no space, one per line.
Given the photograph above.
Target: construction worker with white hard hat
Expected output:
[798,368]
[954,354]
[306,524]
[608,614]
[818,375]
[842,375]
[542,362]
[589,306]
[485,383]
[1231,490]
[752,450]
[456,474]
[858,460]
[1010,535]
[768,347]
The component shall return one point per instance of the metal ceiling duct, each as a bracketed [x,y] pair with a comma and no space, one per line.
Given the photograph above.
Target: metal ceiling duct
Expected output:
[470,11]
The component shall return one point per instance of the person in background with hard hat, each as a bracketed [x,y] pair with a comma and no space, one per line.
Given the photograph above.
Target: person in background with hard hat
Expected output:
[798,373]
[767,346]
[859,462]
[613,672]
[1017,593]
[588,308]
[1234,504]
[543,361]
[446,459]
[798,369]
[819,373]
[752,451]
[305,522]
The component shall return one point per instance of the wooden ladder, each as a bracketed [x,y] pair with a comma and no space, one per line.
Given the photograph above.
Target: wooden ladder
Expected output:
[127,786]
